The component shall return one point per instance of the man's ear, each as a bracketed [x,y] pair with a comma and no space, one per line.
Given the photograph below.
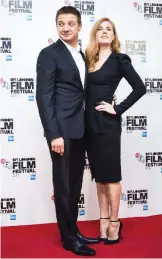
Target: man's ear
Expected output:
[80,27]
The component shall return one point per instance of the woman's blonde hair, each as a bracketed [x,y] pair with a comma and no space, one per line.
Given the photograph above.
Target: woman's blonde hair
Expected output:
[92,51]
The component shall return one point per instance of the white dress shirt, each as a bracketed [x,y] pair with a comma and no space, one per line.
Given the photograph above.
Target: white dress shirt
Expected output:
[78,60]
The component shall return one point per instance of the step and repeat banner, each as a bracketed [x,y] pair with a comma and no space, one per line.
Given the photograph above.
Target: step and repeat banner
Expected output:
[25,165]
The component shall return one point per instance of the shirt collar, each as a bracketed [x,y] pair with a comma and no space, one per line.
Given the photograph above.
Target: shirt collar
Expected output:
[70,48]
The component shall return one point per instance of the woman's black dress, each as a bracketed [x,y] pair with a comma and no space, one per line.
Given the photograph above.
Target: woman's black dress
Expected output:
[104,130]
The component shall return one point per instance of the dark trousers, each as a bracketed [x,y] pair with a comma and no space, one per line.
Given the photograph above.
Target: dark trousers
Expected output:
[67,180]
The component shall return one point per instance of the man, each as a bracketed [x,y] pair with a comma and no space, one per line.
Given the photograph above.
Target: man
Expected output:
[61,83]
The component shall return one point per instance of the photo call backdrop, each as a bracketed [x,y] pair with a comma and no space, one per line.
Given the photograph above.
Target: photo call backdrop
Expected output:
[25,164]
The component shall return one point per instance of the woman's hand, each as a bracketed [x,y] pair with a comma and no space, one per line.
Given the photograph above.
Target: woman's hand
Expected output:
[106,107]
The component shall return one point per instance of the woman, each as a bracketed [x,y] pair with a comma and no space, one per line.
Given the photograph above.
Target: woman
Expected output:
[103,120]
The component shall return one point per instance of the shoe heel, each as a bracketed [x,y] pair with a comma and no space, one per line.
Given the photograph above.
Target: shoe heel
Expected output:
[116,241]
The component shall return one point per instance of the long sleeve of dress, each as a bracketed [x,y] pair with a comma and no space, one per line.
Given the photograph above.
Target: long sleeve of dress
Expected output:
[132,77]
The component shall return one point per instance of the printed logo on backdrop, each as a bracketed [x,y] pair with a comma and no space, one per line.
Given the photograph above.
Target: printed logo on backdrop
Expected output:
[135,48]
[21,166]
[6,48]
[135,124]
[81,205]
[150,159]
[8,207]
[149,10]
[50,41]
[136,198]
[7,128]
[15,8]
[86,8]
[19,87]
[154,86]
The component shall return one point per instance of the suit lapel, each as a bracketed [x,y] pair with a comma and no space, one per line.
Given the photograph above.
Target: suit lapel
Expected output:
[69,57]
[86,69]
[62,46]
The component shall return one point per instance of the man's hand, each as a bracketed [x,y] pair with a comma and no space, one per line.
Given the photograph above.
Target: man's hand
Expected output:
[57,145]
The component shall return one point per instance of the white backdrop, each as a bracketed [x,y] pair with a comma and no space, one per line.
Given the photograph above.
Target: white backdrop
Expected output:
[26,175]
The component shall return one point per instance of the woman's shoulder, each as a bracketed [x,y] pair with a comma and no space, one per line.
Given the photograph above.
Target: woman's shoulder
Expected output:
[122,57]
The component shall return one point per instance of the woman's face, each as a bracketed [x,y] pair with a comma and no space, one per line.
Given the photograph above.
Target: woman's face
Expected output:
[105,34]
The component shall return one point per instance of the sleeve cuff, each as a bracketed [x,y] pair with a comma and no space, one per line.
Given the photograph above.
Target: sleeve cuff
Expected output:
[51,136]
[117,109]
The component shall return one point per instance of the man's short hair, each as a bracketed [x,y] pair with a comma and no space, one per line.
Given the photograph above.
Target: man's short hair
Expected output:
[69,10]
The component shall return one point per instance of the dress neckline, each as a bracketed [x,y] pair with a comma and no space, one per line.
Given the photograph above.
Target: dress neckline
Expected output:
[102,64]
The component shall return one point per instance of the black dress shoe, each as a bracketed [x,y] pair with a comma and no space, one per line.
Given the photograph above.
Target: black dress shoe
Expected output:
[78,248]
[88,240]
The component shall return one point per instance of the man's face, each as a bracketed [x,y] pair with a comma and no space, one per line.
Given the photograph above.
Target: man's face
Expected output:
[68,27]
